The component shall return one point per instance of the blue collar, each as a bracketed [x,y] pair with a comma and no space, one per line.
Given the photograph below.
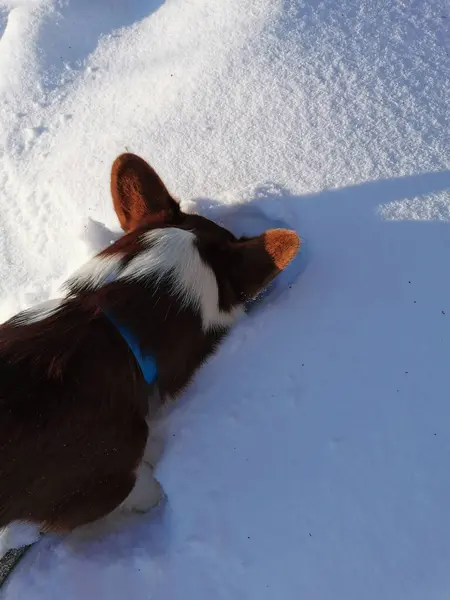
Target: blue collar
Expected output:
[146,363]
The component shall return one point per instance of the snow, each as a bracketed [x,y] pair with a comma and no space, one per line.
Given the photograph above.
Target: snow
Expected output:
[309,459]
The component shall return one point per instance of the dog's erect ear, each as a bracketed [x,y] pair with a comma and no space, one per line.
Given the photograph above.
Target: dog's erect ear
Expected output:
[256,261]
[138,193]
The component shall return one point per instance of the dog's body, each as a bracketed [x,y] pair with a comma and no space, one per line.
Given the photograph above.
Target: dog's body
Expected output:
[74,402]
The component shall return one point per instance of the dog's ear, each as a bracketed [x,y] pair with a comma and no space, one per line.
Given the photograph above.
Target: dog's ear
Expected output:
[256,261]
[138,193]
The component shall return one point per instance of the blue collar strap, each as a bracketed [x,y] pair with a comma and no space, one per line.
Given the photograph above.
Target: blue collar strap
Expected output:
[146,363]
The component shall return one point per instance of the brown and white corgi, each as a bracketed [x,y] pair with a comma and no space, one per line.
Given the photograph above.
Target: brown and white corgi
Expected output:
[76,401]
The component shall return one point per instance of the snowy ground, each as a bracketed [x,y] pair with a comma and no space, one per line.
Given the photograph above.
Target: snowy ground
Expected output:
[311,458]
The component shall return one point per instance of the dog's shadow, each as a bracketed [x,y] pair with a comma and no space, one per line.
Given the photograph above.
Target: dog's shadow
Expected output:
[339,226]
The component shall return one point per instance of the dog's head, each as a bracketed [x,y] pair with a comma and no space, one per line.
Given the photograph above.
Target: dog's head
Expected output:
[242,267]
[177,281]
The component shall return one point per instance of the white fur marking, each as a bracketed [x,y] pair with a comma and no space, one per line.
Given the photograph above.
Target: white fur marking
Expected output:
[96,273]
[146,493]
[173,252]
[38,313]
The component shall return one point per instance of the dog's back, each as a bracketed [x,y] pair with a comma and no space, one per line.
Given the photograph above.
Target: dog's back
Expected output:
[66,415]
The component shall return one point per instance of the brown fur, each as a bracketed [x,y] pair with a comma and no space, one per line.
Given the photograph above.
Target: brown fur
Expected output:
[74,405]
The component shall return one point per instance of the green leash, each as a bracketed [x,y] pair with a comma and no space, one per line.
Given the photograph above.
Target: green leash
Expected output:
[10,561]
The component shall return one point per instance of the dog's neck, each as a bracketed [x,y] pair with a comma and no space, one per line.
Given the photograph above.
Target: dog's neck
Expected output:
[146,362]
[164,327]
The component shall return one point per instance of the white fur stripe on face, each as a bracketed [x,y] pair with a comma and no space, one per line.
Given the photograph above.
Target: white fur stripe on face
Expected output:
[173,253]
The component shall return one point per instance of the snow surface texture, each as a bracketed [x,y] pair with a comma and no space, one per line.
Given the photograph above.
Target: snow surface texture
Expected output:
[310,458]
